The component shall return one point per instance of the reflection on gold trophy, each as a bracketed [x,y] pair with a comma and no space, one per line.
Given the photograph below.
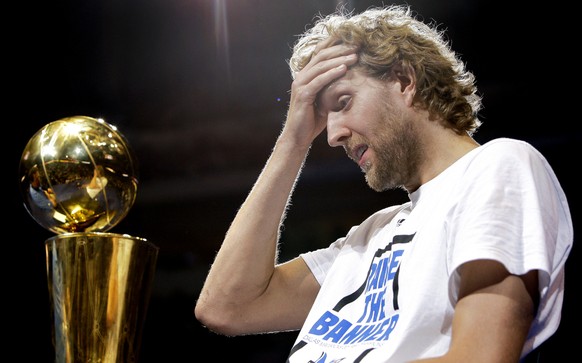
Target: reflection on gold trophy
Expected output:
[78,177]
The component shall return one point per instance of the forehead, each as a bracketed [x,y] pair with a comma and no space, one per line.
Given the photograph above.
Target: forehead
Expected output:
[353,80]
[343,81]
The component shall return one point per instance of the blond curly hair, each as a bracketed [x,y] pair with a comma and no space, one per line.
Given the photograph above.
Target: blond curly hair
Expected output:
[391,36]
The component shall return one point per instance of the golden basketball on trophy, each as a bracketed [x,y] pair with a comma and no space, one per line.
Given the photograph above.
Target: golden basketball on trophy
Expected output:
[79,179]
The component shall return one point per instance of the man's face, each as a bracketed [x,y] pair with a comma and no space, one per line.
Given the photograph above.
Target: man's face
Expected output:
[369,118]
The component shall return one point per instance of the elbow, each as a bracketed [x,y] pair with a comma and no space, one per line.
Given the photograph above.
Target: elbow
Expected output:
[216,320]
[210,318]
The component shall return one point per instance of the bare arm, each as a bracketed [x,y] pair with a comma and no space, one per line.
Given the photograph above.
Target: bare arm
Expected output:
[246,290]
[493,315]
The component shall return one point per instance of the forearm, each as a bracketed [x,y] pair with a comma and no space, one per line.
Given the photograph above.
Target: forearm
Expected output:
[244,292]
[245,262]
[250,245]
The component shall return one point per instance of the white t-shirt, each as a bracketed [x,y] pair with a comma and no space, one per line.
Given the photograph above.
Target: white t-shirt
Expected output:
[389,287]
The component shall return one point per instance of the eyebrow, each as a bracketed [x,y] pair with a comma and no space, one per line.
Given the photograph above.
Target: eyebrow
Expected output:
[327,88]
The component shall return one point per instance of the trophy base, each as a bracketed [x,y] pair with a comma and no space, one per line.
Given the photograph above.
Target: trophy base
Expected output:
[99,289]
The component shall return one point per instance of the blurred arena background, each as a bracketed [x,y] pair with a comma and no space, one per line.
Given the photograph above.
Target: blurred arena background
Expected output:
[200,90]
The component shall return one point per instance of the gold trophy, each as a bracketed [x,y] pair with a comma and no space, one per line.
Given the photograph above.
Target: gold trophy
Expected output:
[78,177]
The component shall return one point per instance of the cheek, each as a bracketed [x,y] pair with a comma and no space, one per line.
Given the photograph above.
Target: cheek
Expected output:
[371,120]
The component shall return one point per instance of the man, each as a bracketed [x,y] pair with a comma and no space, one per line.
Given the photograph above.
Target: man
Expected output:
[470,270]
[42,199]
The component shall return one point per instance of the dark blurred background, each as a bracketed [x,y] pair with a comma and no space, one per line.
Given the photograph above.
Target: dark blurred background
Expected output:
[200,90]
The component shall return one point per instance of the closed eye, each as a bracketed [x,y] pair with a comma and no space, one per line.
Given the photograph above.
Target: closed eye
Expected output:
[343,104]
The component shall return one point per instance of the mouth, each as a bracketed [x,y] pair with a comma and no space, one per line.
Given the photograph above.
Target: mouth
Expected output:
[357,153]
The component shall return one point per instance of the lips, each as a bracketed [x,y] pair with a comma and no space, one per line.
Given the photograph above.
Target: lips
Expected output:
[357,152]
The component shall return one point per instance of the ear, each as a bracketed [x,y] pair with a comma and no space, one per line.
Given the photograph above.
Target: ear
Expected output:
[405,75]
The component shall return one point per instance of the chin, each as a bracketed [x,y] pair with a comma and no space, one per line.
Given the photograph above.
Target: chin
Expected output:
[373,184]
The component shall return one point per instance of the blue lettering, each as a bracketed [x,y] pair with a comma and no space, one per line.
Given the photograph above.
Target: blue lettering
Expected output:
[338,331]
[376,306]
[343,332]
[383,272]
[393,320]
[395,262]
[368,332]
[353,334]
[326,321]
[366,304]
[370,284]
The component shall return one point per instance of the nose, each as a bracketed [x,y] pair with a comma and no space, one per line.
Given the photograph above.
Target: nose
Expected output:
[337,132]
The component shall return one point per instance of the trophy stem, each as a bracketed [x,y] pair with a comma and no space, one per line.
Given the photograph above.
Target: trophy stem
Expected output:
[99,289]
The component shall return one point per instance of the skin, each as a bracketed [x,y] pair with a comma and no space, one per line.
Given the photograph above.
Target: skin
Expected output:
[396,145]
[48,192]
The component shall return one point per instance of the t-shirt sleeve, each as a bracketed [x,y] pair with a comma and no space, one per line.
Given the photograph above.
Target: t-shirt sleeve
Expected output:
[513,211]
[319,261]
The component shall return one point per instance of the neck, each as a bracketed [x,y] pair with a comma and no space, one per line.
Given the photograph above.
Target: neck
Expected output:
[442,147]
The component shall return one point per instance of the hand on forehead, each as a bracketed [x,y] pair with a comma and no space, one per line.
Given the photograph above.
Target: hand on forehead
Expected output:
[326,43]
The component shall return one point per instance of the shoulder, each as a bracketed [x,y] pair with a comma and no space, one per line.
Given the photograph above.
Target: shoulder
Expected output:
[509,156]
[507,147]
[508,171]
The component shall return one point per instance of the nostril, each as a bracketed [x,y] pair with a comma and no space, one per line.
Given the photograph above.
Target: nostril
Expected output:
[337,141]
[342,139]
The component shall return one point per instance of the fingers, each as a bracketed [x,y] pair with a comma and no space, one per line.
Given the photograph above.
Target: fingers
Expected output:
[326,50]
[329,58]
[326,65]
[322,45]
